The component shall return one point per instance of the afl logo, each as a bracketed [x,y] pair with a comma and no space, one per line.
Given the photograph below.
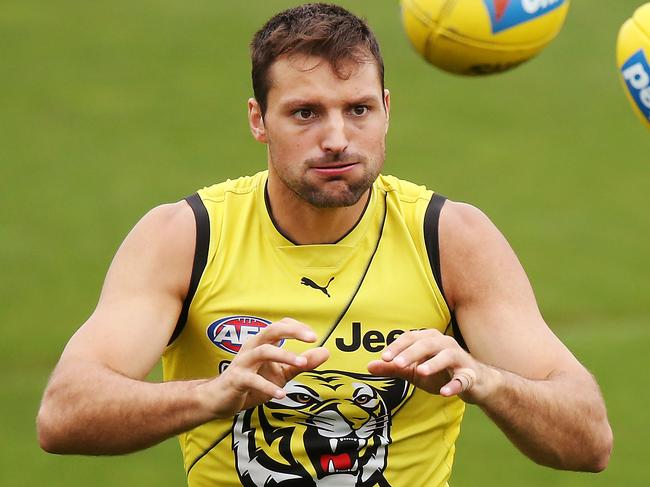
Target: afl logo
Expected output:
[230,333]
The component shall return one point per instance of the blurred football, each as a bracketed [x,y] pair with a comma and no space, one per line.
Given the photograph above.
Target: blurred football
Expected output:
[632,54]
[476,37]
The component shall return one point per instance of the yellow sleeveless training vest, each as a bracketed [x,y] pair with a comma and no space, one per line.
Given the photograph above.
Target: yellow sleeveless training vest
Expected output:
[338,425]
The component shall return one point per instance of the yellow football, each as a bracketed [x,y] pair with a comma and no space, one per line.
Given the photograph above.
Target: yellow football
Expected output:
[474,37]
[632,55]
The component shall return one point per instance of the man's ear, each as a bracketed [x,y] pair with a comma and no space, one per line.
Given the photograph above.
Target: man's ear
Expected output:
[256,120]
[387,107]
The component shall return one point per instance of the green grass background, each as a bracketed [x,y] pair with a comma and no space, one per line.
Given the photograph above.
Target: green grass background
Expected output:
[110,108]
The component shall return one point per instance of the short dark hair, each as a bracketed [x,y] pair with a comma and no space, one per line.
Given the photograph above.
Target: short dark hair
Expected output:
[315,29]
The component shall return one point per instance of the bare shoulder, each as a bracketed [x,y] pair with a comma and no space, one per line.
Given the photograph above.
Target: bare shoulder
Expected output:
[169,223]
[159,249]
[466,224]
[474,253]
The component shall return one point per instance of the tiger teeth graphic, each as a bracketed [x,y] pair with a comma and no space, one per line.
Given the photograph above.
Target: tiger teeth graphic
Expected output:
[333,444]
[330,467]
[336,442]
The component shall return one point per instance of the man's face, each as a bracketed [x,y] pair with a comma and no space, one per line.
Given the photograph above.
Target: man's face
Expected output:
[325,135]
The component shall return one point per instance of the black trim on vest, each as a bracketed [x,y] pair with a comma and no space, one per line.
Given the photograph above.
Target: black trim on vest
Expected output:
[267,203]
[432,243]
[200,258]
[209,449]
[456,332]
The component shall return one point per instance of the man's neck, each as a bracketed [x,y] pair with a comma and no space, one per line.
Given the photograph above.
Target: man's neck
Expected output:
[303,223]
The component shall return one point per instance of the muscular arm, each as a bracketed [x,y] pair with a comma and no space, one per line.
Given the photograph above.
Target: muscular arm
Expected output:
[97,401]
[533,388]
[518,371]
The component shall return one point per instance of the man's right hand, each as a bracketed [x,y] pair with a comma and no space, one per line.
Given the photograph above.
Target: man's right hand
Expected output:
[261,368]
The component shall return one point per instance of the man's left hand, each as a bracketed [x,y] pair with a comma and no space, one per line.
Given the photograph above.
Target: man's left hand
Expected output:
[435,363]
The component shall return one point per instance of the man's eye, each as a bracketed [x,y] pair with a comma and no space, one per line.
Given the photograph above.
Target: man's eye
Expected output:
[360,110]
[303,114]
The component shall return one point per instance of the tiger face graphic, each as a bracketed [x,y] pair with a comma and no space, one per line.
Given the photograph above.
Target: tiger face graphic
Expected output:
[331,429]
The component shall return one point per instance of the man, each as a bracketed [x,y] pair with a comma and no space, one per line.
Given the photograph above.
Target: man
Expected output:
[364,383]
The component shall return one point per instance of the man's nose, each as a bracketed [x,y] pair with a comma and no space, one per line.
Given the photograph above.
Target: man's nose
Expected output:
[335,138]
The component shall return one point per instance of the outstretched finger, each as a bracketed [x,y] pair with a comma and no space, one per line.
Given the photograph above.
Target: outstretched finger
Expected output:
[462,381]
[314,357]
[286,328]
[406,341]
[426,348]
[382,368]
[446,359]
[253,358]
[263,386]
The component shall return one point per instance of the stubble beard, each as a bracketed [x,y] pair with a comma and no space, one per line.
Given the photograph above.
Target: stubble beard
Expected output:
[336,192]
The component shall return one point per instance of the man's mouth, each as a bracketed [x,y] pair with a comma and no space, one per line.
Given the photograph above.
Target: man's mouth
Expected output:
[335,168]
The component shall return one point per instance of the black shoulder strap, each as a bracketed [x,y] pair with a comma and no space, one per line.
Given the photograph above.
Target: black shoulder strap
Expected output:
[200,258]
[431,223]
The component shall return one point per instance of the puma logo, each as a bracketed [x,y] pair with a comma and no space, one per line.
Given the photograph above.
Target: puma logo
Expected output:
[305,281]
